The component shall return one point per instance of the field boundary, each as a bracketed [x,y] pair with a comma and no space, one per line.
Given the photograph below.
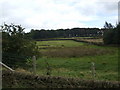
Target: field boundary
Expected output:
[13,79]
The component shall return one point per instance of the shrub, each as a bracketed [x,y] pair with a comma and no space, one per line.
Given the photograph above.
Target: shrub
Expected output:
[108,37]
[111,36]
[16,47]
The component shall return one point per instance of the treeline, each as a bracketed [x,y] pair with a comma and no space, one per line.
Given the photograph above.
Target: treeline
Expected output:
[109,33]
[65,33]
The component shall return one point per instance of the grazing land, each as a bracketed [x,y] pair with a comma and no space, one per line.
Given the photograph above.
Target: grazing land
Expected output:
[59,43]
[74,59]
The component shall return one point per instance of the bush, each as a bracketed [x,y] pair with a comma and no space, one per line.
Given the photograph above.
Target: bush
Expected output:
[16,47]
[111,36]
[108,37]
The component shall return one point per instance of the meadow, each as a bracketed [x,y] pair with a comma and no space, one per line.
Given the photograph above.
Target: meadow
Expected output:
[59,43]
[68,58]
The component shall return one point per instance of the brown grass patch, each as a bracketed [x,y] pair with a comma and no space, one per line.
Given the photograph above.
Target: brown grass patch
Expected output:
[100,40]
[75,52]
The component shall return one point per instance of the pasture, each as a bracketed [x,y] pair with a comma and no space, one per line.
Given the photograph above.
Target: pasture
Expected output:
[58,43]
[73,59]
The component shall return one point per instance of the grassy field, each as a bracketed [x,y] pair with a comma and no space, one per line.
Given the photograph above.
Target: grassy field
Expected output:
[73,59]
[58,43]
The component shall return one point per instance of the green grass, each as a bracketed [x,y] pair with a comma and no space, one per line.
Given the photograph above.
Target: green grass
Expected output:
[59,43]
[80,67]
[106,60]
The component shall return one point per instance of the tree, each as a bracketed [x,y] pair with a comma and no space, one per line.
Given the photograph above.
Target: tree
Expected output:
[16,48]
[111,36]
[108,25]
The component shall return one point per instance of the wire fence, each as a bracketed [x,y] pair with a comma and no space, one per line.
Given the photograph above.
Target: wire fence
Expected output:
[17,61]
[20,62]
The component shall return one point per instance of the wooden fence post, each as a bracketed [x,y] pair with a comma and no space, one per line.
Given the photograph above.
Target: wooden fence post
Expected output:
[34,64]
[93,70]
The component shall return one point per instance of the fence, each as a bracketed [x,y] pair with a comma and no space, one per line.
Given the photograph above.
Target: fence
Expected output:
[14,61]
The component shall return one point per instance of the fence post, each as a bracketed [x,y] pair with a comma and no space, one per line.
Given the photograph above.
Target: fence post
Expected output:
[93,70]
[34,64]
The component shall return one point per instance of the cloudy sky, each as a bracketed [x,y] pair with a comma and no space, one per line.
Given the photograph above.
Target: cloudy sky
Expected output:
[56,14]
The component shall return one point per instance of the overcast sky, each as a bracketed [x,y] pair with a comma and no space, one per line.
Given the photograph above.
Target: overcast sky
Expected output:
[56,14]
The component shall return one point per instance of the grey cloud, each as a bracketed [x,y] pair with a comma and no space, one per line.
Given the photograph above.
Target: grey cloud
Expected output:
[38,14]
[101,8]
[109,7]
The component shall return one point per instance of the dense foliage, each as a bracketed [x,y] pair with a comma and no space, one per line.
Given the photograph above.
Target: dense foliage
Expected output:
[16,48]
[111,36]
